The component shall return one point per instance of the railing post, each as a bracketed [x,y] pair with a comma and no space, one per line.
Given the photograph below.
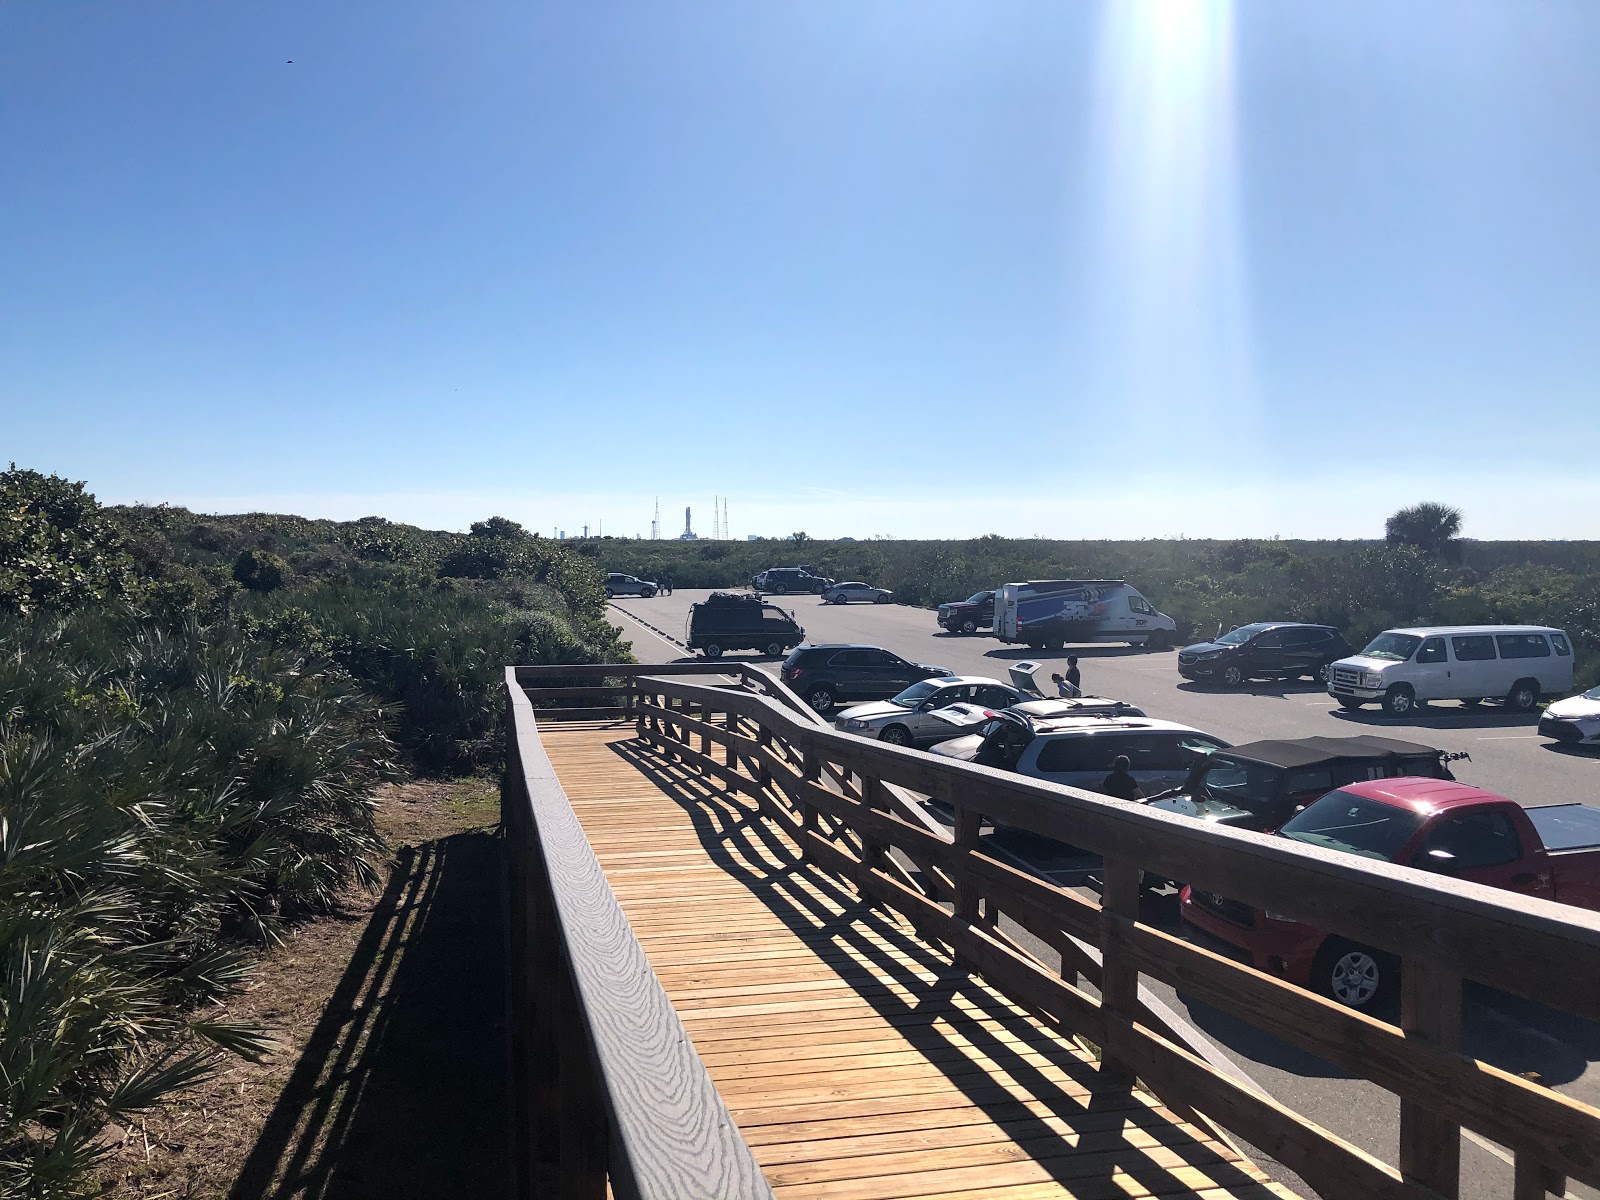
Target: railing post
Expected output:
[763,774]
[1430,1012]
[730,722]
[1535,1181]
[1119,978]
[968,824]
[811,772]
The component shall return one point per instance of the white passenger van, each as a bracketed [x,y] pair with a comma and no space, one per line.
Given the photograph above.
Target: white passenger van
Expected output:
[1402,668]
[1049,613]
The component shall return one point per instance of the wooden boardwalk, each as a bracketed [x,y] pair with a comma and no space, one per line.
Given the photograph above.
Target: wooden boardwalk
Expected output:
[857,1060]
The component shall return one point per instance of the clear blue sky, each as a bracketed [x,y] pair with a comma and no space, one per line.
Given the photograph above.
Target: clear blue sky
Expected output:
[1158,267]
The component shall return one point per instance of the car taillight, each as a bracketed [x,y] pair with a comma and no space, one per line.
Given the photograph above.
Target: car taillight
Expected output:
[990,715]
[792,672]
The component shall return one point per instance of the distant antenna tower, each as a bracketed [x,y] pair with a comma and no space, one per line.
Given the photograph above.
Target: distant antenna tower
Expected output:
[655,524]
[725,532]
[716,518]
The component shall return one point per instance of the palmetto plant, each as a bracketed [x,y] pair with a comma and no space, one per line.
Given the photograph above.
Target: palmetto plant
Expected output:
[165,797]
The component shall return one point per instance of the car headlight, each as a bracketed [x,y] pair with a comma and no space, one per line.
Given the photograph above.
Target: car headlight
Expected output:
[855,724]
[1371,679]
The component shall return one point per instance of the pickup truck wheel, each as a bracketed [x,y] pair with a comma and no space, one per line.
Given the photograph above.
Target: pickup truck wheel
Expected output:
[1355,976]
[774,649]
[1232,676]
[712,650]
[969,626]
[1400,700]
[1351,705]
[1523,696]
[896,735]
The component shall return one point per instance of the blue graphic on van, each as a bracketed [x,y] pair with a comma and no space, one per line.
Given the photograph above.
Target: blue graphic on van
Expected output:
[1069,604]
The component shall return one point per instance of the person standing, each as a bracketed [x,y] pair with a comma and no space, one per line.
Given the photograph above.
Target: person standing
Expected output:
[666,585]
[1074,678]
[1120,783]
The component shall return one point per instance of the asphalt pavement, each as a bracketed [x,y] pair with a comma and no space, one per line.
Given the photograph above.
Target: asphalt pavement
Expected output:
[1508,756]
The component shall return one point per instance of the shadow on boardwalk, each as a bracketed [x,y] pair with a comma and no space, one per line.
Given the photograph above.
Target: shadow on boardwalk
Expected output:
[400,1090]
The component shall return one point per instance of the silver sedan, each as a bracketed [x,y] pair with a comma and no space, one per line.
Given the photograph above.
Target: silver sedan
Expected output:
[843,593]
[908,720]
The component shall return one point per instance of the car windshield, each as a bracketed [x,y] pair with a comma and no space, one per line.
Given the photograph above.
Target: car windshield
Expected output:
[1396,646]
[1240,635]
[1592,694]
[915,694]
[1250,786]
[977,597]
[1342,821]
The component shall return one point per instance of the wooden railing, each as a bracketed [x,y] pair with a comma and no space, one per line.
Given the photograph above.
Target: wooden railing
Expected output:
[606,1087]
[843,799]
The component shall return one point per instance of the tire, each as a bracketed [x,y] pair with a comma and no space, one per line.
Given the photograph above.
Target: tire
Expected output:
[1353,975]
[711,650]
[778,589]
[610,595]
[648,592]
[774,649]
[880,599]
[838,600]
[1523,696]
[969,626]
[820,698]
[1232,675]
[1400,700]
[896,735]
[1350,705]
[1054,644]
[1159,640]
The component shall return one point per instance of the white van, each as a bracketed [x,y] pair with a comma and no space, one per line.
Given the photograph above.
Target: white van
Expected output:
[1514,664]
[1049,613]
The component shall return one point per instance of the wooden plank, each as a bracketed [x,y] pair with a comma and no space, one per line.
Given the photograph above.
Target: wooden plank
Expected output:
[1430,1014]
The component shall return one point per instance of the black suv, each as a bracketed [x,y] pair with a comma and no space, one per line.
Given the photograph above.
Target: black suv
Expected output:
[728,621]
[968,616]
[1277,649]
[790,579]
[824,675]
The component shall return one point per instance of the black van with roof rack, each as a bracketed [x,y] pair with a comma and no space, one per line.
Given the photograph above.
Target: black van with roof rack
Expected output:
[732,621]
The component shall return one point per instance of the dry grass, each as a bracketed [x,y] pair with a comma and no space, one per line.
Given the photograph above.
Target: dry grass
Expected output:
[348,998]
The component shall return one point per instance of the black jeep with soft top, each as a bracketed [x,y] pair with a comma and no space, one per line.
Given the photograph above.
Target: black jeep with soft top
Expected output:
[732,621]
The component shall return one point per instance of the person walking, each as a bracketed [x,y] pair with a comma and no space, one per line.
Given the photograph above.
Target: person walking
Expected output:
[1120,783]
[666,585]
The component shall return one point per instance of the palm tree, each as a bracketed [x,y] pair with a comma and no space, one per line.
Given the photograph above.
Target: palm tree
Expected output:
[1428,526]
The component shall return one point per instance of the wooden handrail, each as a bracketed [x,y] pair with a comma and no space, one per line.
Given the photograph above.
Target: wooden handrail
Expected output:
[1442,929]
[607,1087]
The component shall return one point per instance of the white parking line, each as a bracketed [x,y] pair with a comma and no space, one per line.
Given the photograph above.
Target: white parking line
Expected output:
[1511,737]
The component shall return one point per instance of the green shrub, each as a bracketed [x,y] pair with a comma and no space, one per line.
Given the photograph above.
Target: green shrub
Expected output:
[57,548]
[260,570]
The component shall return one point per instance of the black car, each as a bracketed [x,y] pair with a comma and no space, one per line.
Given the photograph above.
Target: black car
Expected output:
[797,580]
[731,621]
[970,615]
[824,675]
[1267,649]
[1261,785]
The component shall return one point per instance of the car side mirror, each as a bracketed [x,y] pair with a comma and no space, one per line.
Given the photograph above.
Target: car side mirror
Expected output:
[925,706]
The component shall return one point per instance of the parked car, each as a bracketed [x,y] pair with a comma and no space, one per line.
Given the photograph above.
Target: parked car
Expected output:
[1260,785]
[731,621]
[844,593]
[628,585]
[1049,613]
[912,717]
[1574,721]
[796,580]
[1432,824]
[1267,649]
[1402,668]
[970,615]
[1078,751]
[825,674]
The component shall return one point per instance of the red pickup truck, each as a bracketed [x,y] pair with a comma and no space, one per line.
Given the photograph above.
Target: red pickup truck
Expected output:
[1434,824]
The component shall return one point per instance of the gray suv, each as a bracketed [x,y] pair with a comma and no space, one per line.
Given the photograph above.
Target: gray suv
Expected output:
[824,675]
[784,580]
[627,585]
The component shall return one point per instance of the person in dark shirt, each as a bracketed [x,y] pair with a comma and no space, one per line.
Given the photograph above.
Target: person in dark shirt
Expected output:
[1074,677]
[1121,783]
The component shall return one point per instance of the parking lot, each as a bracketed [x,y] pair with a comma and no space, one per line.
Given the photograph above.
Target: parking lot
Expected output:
[1508,756]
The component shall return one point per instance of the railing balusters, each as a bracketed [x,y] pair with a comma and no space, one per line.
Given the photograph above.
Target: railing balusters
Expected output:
[968,824]
[1119,977]
[1430,1012]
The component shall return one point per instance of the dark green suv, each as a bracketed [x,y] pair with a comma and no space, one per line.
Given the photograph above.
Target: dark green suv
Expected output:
[824,675]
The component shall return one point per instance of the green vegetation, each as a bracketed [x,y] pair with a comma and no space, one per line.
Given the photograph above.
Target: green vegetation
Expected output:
[1423,572]
[193,713]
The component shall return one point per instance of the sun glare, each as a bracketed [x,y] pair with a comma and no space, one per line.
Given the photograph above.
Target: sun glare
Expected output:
[1170,286]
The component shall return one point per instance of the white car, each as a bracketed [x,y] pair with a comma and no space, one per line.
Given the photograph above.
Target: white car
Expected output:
[1079,751]
[844,593]
[912,717]
[1574,721]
